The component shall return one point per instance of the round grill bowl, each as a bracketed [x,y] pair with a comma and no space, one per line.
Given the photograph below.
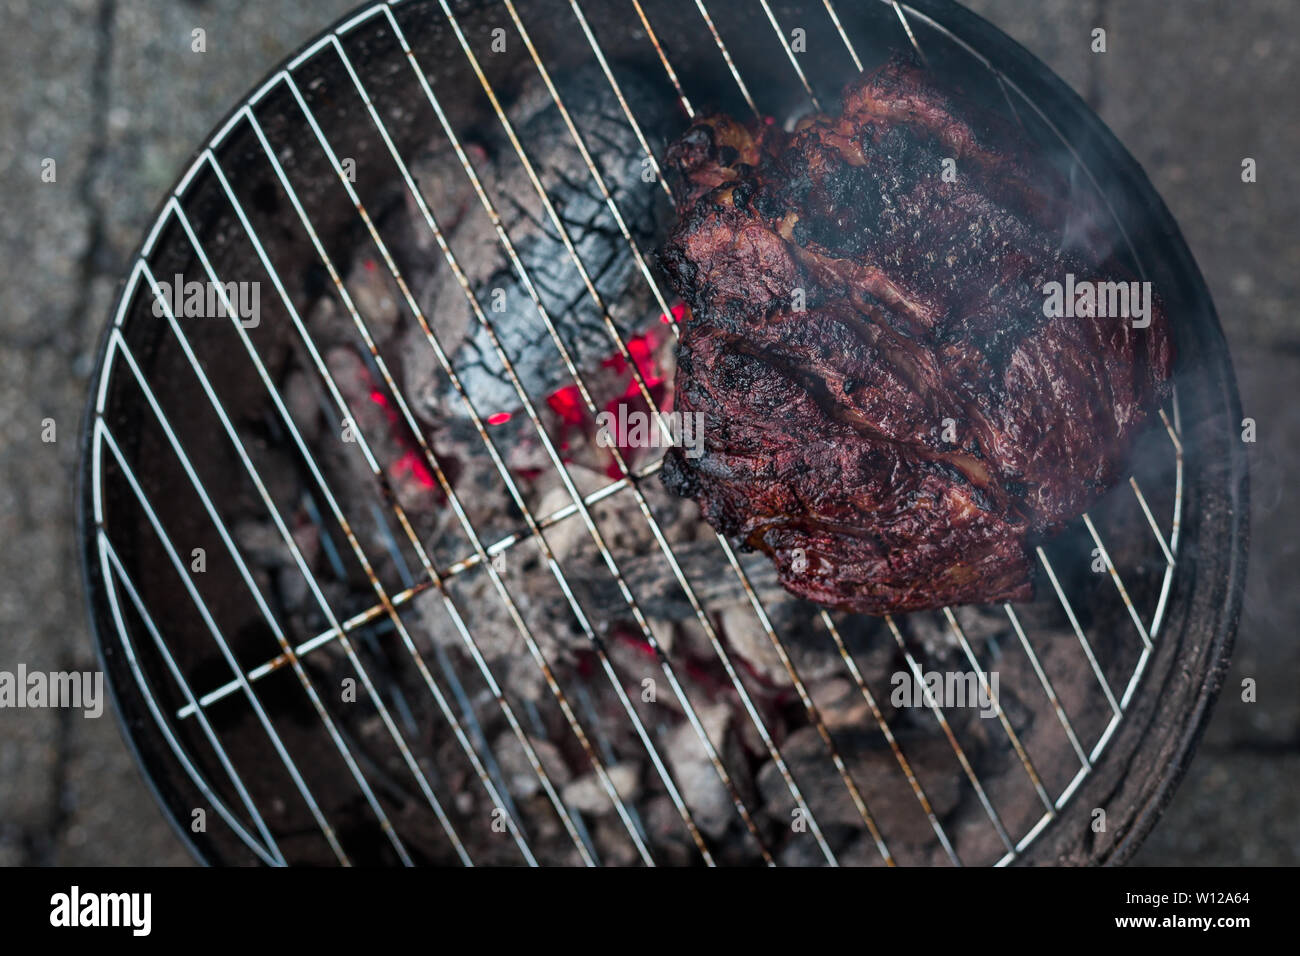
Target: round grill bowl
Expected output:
[1120,667]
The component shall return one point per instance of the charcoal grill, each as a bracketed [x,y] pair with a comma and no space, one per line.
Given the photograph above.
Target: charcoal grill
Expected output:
[239,712]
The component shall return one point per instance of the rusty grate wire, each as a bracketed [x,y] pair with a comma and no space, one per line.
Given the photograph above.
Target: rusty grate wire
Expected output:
[389,605]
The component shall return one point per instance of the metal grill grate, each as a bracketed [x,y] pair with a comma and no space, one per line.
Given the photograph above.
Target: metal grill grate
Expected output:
[141,630]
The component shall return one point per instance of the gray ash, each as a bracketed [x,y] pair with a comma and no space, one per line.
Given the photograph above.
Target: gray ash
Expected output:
[492,278]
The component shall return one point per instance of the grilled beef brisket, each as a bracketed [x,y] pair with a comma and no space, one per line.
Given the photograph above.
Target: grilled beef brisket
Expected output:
[889,413]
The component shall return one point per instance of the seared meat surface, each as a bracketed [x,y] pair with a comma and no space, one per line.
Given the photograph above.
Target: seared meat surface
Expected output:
[889,412]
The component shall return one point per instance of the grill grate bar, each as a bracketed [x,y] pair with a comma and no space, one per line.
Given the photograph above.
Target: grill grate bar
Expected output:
[1119,584]
[270,666]
[907,27]
[1048,689]
[726,56]
[345,526]
[789,52]
[502,792]
[266,849]
[672,75]
[327,543]
[1151,520]
[104,435]
[618,93]
[997,708]
[917,790]
[1173,431]
[1078,632]
[839,28]
[935,709]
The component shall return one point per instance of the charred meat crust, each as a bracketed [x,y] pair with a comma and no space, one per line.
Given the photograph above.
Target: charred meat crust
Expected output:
[888,412]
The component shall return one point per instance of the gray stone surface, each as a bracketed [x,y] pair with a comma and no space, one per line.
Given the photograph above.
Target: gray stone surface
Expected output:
[112,92]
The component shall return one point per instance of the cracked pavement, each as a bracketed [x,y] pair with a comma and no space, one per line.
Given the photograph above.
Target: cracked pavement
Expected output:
[110,90]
